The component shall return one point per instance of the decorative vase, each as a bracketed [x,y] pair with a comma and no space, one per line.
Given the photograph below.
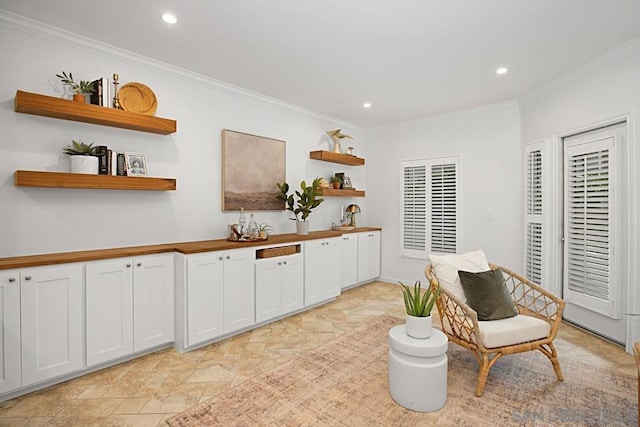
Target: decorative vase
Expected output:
[302,228]
[84,164]
[79,97]
[418,327]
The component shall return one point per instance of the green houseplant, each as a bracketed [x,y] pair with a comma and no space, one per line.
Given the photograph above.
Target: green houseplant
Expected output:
[264,230]
[418,304]
[336,182]
[308,198]
[82,157]
[80,89]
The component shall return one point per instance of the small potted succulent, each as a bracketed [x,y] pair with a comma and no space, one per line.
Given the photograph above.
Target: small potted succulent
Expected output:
[82,156]
[264,230]
[336,182]
[418,305]
[80,89]
[307,200]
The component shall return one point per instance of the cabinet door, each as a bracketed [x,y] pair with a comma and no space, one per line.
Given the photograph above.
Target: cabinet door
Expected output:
[321,270]
[368,255]
[292,283]
[239,289]
[109,297]
[349,260]
[152,301]
[268,289]
[331,275]
[52,307]
[205,297]
[10,364]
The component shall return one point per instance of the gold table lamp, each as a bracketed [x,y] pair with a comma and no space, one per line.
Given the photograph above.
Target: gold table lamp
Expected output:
[353,210]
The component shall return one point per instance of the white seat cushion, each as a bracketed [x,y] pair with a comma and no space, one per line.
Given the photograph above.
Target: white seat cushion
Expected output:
[446,267]
[512,330]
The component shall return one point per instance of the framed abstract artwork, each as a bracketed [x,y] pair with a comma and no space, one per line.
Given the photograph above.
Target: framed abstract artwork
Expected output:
[251,167]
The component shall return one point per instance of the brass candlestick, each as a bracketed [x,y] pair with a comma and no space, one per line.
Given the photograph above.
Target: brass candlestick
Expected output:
[116,101]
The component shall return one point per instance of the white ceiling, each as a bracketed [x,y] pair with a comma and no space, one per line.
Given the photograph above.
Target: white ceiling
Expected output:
[409,58]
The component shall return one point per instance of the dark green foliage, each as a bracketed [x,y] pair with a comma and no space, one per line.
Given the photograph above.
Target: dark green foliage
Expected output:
[308,198]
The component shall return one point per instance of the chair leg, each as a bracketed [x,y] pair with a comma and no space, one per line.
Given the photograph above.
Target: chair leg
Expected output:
[482,375]
[555,362]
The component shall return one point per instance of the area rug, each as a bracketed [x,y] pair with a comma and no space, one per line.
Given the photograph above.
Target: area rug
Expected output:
[345,383]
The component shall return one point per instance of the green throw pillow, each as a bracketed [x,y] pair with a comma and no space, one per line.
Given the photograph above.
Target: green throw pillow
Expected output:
[487,294]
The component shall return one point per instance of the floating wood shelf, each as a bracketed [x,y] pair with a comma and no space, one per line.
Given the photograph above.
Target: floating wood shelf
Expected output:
[58,108]
[343,159]
[99,182]
[330,192]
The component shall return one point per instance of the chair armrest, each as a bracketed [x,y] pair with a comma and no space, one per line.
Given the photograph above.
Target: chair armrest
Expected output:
[532,299]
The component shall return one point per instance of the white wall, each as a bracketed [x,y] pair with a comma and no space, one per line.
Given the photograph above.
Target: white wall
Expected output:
[34,220]
[487,140]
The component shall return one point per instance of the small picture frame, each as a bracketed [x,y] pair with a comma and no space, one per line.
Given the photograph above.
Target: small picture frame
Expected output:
[135,164]
[346,183]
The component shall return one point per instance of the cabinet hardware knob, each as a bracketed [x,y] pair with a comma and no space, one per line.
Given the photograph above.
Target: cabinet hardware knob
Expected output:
[12,279]
[284,262]
[27,277]
[220,258]
[128,265]
[279,263]
[228,256]
[139,264]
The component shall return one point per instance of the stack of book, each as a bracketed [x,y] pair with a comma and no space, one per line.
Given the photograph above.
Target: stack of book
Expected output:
[110,162]
[101,94]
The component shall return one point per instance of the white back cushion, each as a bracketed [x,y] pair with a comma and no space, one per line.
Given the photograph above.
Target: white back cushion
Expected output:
[446,267]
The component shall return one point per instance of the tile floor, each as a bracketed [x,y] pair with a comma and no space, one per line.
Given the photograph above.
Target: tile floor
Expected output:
[148,390]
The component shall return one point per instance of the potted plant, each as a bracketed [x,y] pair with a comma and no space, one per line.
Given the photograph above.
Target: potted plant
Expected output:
[418,305]
[80,90]
[336,182]
[82,157]
[264,230]
[307,200]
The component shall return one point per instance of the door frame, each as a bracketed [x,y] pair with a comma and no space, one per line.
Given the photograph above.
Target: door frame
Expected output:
[629,184]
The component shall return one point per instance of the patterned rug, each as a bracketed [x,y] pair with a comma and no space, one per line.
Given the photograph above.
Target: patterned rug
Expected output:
[345,383]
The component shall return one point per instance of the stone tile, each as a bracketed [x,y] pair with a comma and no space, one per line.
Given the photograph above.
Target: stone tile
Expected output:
[169,403]
[131,406]
[91,407]
[215,372]
[138,420]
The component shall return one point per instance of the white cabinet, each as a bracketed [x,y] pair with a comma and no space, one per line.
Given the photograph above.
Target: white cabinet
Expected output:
[129,306]
[321,270]
[349,260]
[52,323]
[10,364]
[368,255]
[279,286]
[219,288]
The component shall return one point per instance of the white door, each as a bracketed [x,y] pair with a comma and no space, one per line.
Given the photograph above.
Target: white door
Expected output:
[268,289]
[10,369]
[593,284]
[239,289]
[292,283]
[52,326]
[204,297]
[152,301]
[109,297]
[368,255]
[349,260]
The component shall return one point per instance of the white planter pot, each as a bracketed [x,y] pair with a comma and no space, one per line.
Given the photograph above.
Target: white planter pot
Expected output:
[418,327]
[84,164]
[302,228]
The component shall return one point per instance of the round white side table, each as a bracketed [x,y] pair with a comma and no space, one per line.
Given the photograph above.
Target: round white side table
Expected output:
[418,370]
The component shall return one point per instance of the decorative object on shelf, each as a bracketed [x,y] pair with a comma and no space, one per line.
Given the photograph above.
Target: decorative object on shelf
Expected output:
[101,92]
[242,223]
[336,182]
[335,227]
[349,151]
[137,98]
[135,164]
[308,199]
[265,230]
[351,211]
[116,101]
[340,176]
[324,183]
[80,89]
[252,228]
[346,183]
[82,157]
[336,135]
[418,305]
[250,166]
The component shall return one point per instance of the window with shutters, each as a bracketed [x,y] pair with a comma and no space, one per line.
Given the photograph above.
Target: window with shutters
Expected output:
[429,207]
[534,222]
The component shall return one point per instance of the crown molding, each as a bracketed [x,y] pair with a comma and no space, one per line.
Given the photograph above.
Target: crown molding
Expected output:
[76,41]
[590,67]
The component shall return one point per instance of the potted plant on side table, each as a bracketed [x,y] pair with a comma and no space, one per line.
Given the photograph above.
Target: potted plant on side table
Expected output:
[307,200]
[80,90]
[82,157]
[418,305]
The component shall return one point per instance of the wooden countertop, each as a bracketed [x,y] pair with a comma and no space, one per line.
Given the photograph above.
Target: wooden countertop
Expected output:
[182,247]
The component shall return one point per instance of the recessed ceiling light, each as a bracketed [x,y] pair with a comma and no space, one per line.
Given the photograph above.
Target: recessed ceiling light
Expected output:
[169,18]
[501,70]
[366,105]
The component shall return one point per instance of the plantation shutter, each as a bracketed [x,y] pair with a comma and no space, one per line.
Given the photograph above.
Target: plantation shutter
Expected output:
[534,224]
[444,207]
[589,215]
[414,209]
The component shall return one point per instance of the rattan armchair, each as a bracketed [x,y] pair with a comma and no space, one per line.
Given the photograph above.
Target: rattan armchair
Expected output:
[460,322]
